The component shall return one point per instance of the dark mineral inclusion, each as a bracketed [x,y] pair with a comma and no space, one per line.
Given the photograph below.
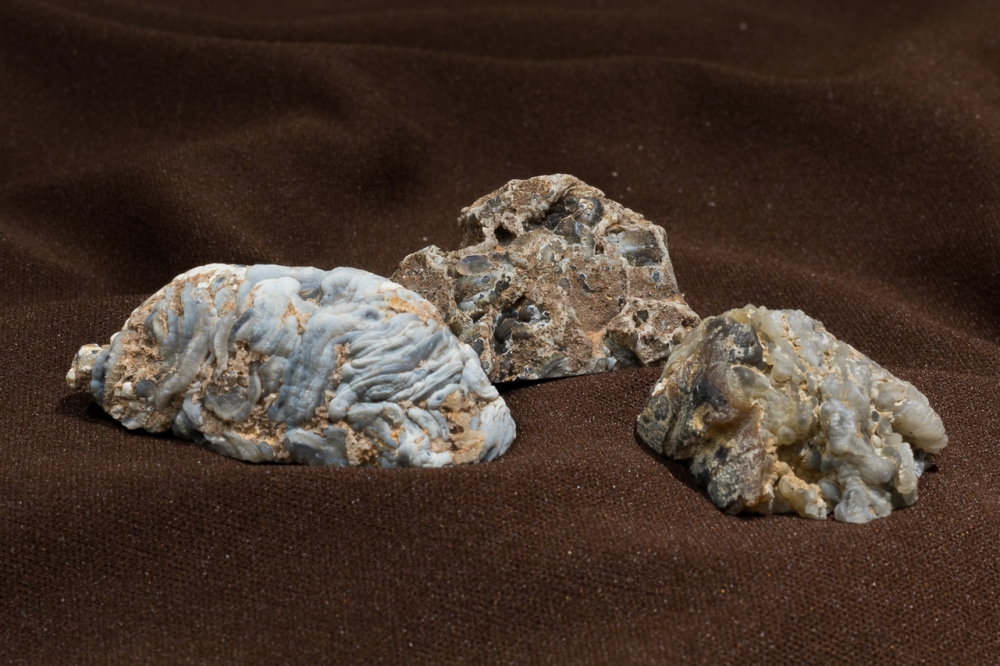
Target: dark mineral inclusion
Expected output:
[775,415]
[553,280]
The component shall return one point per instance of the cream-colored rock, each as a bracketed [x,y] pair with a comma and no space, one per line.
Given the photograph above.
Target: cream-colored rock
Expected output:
[776,415]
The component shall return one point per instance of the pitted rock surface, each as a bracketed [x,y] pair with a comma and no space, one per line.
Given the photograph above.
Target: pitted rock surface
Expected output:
[776,415]
[553,280]
[271,363]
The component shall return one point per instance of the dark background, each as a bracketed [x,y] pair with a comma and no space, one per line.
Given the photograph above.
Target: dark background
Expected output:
[838,157]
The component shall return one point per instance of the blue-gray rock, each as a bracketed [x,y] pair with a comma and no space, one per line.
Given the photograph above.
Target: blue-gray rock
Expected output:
[271,363]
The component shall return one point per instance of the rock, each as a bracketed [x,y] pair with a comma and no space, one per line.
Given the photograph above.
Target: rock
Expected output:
[776,415]
[270,363]
[553,280]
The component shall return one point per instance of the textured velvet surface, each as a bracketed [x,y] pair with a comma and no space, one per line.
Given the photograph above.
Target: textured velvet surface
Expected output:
[837,157]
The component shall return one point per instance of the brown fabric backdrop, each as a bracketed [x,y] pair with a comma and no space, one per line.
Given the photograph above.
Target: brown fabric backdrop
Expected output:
[838,157]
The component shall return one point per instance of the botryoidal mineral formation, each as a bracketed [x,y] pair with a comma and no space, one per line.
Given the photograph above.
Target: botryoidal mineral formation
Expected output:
[271,363]
[776,415]
[553,280]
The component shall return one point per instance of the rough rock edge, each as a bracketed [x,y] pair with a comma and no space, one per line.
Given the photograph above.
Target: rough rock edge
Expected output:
[775,415]
[134,386]
[584,284]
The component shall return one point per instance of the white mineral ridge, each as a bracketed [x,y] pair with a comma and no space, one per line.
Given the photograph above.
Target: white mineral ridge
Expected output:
[272,363]
[776,415]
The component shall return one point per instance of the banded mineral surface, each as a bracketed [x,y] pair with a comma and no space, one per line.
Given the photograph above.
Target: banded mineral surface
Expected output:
[554,279]
[776,415]
[270,363]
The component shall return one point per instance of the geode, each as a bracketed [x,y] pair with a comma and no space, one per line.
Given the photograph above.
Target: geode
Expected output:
[553,279]
[776,415]
[271,363]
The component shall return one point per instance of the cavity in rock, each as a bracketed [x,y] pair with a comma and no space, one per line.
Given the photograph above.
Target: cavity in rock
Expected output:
[596,273]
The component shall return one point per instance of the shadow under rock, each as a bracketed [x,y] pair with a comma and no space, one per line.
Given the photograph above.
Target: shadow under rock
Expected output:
[509,387]
[82,407]
[680,472]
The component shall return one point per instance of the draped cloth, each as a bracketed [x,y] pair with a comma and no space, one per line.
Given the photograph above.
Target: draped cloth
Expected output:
[838,158]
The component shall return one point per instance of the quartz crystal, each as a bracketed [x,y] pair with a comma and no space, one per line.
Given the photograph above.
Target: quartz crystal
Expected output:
[270,363]
[553,280]
[776,415]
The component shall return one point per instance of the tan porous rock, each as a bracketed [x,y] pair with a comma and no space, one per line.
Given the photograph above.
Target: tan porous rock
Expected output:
[775,415]
[553,280]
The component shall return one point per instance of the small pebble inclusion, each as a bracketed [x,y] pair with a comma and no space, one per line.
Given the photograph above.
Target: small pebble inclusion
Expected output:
[775,415]
[271,363]
[553,280]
